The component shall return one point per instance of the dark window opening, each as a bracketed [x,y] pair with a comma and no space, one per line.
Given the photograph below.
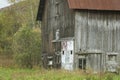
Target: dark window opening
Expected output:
[63,52]
[71,52]
[82,63]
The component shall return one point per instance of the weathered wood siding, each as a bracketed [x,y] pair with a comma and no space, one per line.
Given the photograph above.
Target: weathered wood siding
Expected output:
[97,30]
[57,15]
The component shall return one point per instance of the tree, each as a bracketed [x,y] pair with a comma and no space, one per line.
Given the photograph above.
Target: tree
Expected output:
[26,46]
[19,16]
[8,27]
[28,8]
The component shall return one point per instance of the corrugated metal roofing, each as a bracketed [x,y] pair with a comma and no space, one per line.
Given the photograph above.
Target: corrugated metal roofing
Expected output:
[94,4]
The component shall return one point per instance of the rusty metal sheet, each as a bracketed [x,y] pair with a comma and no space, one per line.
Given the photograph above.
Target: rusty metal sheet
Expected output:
[94,4]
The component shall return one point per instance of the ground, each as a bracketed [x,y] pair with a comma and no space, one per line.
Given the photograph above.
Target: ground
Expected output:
[41,74]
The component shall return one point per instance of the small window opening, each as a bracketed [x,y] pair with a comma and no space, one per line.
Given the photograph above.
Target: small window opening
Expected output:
[71,52]
[82,63]
[63,52]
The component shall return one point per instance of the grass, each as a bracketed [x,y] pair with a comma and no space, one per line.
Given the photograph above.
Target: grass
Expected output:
[40,74]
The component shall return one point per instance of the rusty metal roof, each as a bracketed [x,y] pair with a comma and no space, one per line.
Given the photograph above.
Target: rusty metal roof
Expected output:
[95,4]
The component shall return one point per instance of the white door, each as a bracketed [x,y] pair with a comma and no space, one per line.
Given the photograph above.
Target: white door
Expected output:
[67,55]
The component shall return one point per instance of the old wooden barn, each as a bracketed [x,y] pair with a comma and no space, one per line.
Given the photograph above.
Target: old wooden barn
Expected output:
[80,34]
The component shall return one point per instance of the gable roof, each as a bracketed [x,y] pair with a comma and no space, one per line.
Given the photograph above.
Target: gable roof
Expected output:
[113,5]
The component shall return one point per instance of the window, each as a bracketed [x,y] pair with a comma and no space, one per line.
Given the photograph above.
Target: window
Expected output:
[82,63]
[112,57]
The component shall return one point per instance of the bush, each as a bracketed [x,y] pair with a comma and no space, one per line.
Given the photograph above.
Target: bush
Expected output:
[26,47]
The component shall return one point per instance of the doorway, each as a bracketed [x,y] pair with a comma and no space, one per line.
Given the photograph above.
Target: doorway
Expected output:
[67,54]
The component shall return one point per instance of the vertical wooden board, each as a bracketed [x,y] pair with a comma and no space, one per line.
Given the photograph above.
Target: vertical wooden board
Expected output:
[99,62]
[95,57]
[118,32]
[77,32]
[91,39]
[102,34]
[100,31]
[97,31]
[110,33]
[105,30]
[115,34]
[92,62]
[118,36]
[85,26]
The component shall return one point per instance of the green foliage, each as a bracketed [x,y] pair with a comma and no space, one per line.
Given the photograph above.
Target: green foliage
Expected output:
[26,47]
[12,20]
[109,77]
[8,26]
[26,11]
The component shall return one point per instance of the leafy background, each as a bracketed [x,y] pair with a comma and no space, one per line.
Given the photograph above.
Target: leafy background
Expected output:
[20,34]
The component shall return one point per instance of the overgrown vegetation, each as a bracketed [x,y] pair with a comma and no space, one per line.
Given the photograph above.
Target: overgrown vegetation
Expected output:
[35,74]
[19,34]
[26,47]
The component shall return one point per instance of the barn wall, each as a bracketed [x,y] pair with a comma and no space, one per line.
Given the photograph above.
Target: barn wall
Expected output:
[97,30]
[57,15]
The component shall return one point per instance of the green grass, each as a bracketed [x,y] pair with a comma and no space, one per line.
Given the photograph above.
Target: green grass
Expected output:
[38,74]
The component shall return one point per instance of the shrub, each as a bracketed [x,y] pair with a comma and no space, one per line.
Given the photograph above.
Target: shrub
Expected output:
[109,77]
[26,47]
